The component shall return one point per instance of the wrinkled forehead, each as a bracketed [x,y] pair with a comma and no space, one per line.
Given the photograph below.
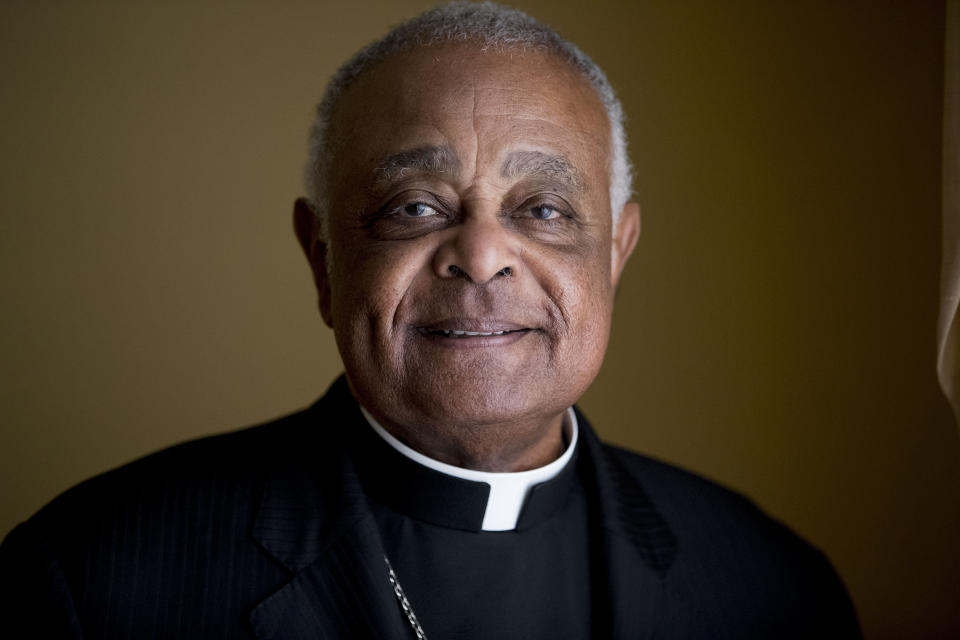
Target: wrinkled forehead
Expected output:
[487,102]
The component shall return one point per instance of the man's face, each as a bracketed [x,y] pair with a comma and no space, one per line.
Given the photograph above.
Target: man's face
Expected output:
[471,282]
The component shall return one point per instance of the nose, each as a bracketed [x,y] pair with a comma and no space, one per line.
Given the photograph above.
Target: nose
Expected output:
[479,250]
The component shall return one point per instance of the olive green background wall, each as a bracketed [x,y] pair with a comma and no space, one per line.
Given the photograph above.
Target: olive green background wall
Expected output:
[775,327]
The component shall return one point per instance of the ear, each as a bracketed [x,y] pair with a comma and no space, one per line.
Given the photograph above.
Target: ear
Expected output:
[307,227]
[625,238]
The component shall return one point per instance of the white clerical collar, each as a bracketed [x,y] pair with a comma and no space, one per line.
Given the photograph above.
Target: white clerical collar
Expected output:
[507,490]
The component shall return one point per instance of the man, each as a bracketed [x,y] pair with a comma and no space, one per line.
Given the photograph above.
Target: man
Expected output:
[466,227]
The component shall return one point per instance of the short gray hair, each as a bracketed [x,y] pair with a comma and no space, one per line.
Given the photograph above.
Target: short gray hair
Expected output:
[492,26]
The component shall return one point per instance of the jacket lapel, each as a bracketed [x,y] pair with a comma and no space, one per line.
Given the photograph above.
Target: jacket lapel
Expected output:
[314,519]
[636,546]
[344,594]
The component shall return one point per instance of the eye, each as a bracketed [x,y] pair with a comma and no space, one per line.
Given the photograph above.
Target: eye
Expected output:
[418,210]
[544,212]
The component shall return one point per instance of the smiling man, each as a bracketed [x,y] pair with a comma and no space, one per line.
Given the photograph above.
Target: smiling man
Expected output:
[474,254]
[466,224]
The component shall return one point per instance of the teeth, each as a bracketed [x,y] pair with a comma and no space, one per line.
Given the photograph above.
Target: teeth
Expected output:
[469,334]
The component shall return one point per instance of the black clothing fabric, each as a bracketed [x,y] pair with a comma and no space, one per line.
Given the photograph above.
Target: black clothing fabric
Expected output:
[468,584]
[269,533]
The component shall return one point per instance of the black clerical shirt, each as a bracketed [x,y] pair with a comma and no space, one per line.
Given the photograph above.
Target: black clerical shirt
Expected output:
[463,582]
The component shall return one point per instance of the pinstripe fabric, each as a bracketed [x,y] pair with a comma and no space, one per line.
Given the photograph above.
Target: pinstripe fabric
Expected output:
[720,569]
[265,533]
[158,549]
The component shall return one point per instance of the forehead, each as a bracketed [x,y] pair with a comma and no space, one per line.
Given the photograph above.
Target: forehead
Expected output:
[482,104]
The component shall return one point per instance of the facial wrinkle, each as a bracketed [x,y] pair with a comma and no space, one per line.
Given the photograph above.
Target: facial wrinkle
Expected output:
[476,133]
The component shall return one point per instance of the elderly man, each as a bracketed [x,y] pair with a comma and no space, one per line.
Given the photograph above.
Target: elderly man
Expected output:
[466,227]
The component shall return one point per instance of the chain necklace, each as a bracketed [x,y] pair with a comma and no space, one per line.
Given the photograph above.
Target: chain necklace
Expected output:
[404,603]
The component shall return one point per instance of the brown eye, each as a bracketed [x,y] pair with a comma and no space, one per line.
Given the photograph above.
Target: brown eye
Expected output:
[418,210]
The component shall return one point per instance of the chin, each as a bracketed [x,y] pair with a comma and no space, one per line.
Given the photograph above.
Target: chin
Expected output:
[486,402]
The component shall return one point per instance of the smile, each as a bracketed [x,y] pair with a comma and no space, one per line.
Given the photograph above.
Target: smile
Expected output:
[455,333]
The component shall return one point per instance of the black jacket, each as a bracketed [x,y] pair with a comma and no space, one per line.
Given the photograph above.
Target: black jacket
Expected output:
[266,533]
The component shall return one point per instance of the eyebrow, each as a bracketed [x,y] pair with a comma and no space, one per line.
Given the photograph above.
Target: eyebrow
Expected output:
[432,160]
[538,164]
[439,160]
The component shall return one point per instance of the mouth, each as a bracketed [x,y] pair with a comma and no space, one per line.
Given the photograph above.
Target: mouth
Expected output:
[473,332]
[457,333]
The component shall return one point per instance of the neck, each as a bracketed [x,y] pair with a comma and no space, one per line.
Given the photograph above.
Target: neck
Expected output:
[500,447]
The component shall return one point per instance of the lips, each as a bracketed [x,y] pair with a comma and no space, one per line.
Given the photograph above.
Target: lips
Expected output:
[462,328]
[456,333]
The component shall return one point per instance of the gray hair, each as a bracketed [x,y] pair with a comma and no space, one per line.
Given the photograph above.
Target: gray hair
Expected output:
[492,26]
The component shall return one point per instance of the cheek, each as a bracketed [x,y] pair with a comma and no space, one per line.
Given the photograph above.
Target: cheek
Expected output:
[594,306]
[370,280]
[583,298]
[577,279]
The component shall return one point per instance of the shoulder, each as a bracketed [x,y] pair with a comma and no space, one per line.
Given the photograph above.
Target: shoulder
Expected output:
[681,495]
[731,557]
[117,540]
[210,478]
[704,514]
[230,458]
